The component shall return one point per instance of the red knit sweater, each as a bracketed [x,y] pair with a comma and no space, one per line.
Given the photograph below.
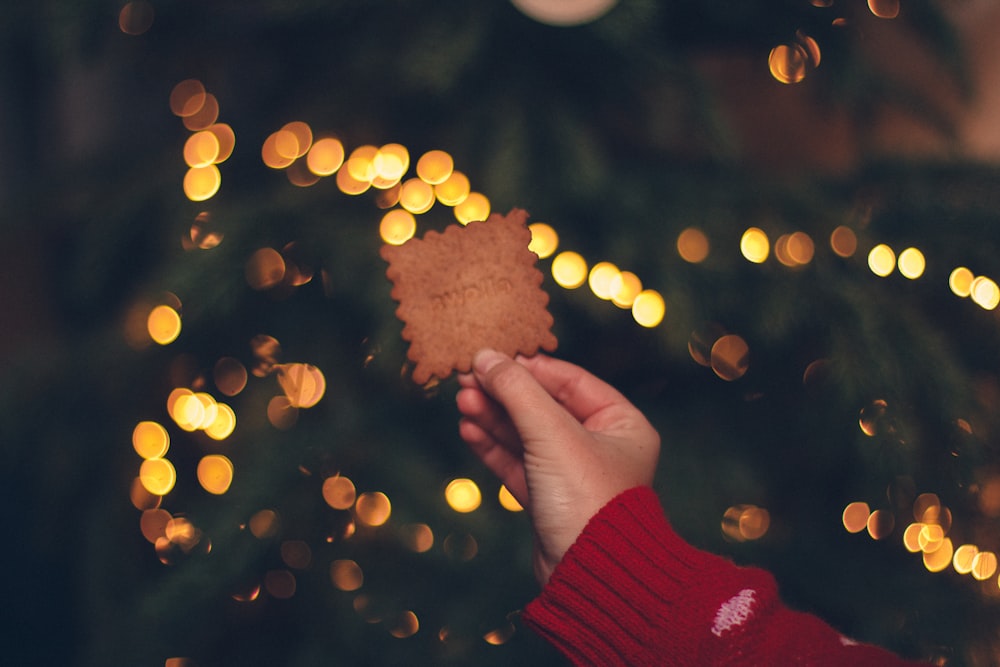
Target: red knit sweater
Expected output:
[631,592]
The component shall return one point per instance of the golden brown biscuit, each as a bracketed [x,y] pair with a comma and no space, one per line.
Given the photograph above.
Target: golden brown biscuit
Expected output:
[468,288]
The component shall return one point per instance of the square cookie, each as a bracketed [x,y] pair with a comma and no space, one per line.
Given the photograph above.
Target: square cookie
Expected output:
[467,288]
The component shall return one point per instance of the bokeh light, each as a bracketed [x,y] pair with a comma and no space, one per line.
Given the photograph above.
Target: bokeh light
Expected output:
[435,167]
[264,524]
[404,625]
[742,523]
[136,17]
[964,558]
[201,149]
[150,439]
[280,584]
[397,227]
[788,63]
[230,376]
[884,9]
[882,260]
[508,501]
[202,183]
[939,559]
[544,239]
[373,508]
[303,384]
[281,414]
[569,269]
[453,190]
[158,476]
[416,196]
[693,245]
[911,263]
[984,565]
[204,117]
[855,517]
[418,537]
[754,245]
[843,241]
[325,157]
[960,281]
[563,14]
[625,286]
[215,473]
[204,233]
[163,324]
[985,292]
[473,208]
[187,97]
[339,492]
[648,308]
[360,163]
[463,495]
[881,523]
[227,140]
[599,278]
[346,575]
[224,423]
[730,357]
[265,269]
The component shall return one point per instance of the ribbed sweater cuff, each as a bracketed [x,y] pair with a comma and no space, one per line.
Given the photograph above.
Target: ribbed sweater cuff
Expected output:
[624,592]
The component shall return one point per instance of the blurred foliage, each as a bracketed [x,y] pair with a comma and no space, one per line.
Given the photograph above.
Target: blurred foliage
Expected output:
[614,133]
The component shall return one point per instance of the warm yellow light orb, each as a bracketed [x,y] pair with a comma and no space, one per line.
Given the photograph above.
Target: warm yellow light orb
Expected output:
[463,495]
[434,167]
[325,157]
[508,501]
[911,263]
[544,239]
[361,163]
[964,558]
[569,269]
[600,277]
[416,196]
[787,63]
[397,227]
[939,559]
[453,190]
[201,149]
[201,183]
[960,281]
[882,260]
[985,292]
[755,245]
[624,288]
[157,476]
[473,208]
[163,324]
[648,308]
[391,162]
[150,440]
[224,423]
[215,473]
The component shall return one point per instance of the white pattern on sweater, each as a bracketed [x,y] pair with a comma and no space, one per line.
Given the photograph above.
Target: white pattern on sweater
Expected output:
[734,611]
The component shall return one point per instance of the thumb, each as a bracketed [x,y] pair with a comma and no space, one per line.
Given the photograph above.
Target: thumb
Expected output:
[538,418]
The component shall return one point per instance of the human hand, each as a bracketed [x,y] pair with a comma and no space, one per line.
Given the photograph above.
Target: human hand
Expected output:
[562,441]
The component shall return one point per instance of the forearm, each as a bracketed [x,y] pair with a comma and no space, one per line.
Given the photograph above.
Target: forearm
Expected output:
[631,592]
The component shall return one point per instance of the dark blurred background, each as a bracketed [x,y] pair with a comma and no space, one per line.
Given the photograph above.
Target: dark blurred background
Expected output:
[620,127]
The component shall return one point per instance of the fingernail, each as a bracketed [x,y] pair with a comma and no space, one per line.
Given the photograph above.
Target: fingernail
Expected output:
[486,359]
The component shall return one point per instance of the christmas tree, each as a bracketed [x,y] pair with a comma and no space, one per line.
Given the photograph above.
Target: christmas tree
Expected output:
[769,224]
